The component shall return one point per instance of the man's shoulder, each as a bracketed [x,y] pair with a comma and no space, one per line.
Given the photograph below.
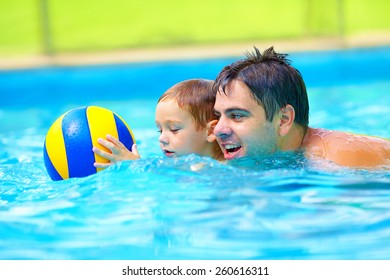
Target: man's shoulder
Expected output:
[348,149]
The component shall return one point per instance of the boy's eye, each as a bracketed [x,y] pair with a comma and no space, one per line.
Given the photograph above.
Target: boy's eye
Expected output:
[174,130]
[159,131]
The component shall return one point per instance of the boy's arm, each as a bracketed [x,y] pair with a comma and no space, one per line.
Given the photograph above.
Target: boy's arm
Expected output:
[118,151]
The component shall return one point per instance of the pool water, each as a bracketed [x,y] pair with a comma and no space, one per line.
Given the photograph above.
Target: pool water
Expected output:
[160,208]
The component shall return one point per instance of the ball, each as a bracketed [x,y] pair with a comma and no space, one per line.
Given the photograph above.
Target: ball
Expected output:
[68,144]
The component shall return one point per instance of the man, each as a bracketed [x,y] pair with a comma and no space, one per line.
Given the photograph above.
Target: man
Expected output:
[262,107]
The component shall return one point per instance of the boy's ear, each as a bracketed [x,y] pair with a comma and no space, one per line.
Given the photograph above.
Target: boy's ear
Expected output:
[287,117]
[210,130]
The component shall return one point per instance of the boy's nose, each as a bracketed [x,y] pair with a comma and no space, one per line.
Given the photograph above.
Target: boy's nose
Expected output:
[163,139]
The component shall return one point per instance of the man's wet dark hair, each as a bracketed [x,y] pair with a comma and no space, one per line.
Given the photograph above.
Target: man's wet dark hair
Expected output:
[273,82]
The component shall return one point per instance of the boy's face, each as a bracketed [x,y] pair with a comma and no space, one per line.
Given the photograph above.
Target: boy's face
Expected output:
[242,128]
[178,131]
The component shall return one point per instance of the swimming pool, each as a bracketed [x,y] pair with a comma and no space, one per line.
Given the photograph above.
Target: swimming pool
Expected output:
[159,208]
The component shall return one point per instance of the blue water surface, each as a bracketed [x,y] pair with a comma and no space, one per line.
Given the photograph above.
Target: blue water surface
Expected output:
[283,207]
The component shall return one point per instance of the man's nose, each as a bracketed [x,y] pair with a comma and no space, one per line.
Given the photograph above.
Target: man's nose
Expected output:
[222,129]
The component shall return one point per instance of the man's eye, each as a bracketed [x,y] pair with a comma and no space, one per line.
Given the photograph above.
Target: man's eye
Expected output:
[236,116]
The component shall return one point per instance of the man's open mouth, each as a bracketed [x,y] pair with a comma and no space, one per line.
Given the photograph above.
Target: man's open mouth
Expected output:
[231,150]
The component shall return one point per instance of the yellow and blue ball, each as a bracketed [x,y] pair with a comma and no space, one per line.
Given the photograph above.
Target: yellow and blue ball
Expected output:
[69,141]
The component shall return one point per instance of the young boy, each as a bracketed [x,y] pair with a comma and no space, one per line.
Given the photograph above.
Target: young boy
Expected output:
[185,121]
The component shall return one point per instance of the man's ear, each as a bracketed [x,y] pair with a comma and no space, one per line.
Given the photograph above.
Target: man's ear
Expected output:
[287,117]
[210,130]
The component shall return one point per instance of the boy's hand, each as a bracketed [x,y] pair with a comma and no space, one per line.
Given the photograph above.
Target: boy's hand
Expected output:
[118,151]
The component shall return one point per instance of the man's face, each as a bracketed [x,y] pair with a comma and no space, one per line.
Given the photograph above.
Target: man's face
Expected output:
[242,129]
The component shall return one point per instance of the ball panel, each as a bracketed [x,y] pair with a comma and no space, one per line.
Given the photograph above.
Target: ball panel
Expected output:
[101,122]
[78,143]
[55,149]
[54,175]
[125,135]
